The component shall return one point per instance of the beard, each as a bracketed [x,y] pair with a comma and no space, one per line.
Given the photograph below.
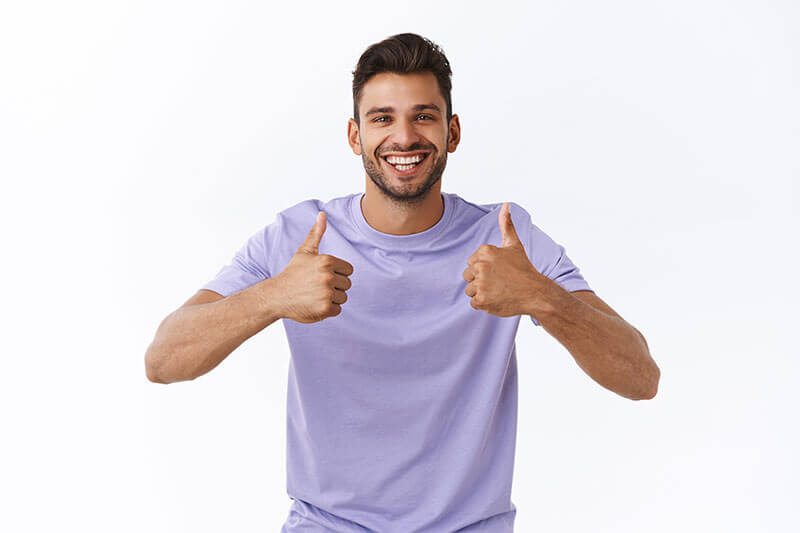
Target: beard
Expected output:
[405,194]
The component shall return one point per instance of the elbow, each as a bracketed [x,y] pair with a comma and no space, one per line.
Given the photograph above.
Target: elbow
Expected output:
[152,368]
[652,389]
[152,376]
[154,358]
[649,395]
[158,370]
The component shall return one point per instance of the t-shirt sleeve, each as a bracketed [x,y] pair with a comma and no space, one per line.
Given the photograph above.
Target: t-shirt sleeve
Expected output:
[248,266]
[551,259]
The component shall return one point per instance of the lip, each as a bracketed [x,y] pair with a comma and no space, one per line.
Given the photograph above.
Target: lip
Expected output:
[406,173]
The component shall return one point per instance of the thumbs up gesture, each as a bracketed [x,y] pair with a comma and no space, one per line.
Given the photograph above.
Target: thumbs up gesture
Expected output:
[501,280]
[312,286]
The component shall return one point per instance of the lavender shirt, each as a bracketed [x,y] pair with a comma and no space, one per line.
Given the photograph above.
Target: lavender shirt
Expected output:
[401,410]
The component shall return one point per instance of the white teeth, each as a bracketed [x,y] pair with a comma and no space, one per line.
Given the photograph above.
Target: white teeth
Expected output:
[394,160]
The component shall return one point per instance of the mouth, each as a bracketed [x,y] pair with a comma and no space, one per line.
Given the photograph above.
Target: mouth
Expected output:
[407,164]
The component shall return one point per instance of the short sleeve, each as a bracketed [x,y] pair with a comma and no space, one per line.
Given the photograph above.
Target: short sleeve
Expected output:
[551,259]
[247,267]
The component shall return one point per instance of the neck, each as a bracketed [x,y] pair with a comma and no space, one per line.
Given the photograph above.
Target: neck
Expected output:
[397,217]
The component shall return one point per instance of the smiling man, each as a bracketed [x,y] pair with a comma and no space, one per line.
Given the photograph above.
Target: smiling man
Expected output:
[402,402]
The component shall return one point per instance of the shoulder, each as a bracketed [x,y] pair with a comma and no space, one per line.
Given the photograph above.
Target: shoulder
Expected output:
[305,211]
[518,213]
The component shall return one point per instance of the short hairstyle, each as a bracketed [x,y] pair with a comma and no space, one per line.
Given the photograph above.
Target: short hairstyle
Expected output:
[404,53]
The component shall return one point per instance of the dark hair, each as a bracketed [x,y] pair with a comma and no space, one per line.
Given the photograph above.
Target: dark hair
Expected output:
[404,53]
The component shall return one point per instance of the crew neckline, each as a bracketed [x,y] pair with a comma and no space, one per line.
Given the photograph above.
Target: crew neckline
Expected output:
[388,240]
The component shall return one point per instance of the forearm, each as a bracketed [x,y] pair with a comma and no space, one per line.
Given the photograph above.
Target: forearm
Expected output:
[194,339]
[606,347]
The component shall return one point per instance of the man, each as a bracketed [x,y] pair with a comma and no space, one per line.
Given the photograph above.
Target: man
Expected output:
[401,306]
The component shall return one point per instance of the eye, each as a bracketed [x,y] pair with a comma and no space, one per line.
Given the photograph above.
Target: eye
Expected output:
[429,117]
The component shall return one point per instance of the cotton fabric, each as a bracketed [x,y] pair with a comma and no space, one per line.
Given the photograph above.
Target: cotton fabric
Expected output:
[402,409]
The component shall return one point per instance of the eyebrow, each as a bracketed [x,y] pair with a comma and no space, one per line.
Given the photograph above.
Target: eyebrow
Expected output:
[418,107]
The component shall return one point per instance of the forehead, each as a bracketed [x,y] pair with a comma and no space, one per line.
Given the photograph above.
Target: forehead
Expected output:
[401,91]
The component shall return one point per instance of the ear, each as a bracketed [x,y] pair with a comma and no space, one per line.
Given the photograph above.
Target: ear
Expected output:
[353,138]
[454,129]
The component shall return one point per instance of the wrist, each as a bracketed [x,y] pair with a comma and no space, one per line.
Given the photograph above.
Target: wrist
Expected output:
[271,299]
[539,296]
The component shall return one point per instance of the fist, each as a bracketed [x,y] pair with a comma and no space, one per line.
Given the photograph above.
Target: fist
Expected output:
[501,279]
[312,286]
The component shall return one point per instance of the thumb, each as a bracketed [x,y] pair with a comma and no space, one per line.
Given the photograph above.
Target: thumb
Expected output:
[507,229]
[311,243]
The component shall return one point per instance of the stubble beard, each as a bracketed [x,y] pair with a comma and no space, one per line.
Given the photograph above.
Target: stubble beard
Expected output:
[406,194]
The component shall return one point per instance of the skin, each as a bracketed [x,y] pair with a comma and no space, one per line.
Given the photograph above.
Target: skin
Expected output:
[390,204]
[501,280]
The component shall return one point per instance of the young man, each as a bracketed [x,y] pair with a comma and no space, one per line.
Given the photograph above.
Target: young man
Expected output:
[401,306]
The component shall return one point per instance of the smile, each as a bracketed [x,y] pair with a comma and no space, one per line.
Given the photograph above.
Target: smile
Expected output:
[405,166]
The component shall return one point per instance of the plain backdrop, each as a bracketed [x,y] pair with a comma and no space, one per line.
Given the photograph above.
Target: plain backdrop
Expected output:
[141,143]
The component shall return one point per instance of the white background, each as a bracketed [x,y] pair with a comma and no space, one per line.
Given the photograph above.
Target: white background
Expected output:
[141,143]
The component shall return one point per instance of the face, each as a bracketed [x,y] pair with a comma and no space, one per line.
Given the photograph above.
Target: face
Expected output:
[403,116]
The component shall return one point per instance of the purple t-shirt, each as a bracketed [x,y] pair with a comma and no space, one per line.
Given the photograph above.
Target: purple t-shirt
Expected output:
[401,410]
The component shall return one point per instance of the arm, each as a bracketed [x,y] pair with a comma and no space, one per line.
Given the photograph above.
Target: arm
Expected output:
[503,281]
[196,337]
[605,346]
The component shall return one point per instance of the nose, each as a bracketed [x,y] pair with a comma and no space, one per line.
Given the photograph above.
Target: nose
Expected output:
[405,133]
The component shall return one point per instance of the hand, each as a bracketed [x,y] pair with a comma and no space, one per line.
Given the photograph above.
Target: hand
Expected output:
[312,286]
[502,280]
